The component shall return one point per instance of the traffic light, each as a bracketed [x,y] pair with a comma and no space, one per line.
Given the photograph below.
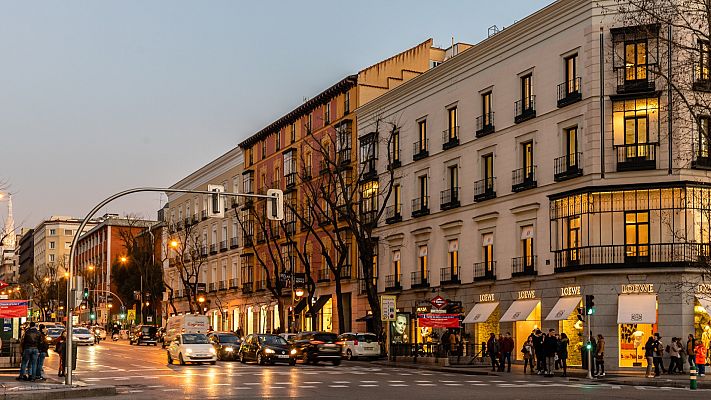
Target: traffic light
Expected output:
[589,304]
[275,205]
[216,203]
[92,316]
[581,314]
[85,294]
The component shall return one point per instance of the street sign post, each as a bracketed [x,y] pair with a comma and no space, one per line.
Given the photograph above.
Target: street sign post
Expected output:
[388,305]
[439,302]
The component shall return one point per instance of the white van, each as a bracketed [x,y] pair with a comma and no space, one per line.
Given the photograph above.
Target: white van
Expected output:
[189,323]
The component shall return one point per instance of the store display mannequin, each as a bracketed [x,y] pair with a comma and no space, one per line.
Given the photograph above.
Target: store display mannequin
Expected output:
[706,338]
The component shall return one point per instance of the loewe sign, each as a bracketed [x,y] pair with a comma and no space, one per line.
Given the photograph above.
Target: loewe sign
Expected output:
[526,294]
[486,297]
[570,291]
[638,288]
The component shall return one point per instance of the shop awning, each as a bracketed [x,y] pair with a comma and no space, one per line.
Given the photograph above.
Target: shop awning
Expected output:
[320,303]
[519,310]
[480,312]
[563,308]
[300,306]
[705,303]
[637,309]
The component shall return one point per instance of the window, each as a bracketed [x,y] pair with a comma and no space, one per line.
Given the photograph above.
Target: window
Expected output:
[52,232]
[224,231]
[396,263]
[527,92]
[395,147]
[527,151]
[487,115]
[704,66]
[488,253]
[574,241]
[293,132]
[422,129]
[346,103]
[249,155]
[637,235]
[527,246]
[235,227]
[488,169]
[369,197]
[704,146]
[52,245]
[368,149]
[571,144]
[264,149]
[422,262]
[277,140]
[571,83]
[68,232]
[422,180]
[51,258]
[453,257]
[636,136]
[248,182]
[636,60]
[327,113]
[214,234]
[453,177]
[397,199]
[309,121]
[452,123]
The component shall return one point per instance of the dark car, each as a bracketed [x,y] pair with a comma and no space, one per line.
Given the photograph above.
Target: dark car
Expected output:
[143,334]
[266,349]
[312,347]
[226,344]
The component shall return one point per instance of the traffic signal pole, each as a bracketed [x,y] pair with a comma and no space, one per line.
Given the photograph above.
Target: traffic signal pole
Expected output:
[275,200]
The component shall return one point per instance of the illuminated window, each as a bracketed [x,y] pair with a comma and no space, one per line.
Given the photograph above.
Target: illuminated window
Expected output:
[637,235]
[573,238]
[636,60]
[704,147]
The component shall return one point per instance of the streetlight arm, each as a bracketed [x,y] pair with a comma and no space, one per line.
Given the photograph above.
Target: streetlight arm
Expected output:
[112,293]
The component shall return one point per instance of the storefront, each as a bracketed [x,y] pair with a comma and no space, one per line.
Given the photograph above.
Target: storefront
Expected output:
[525,313]
[235,319]
[637,321]
[485,316]
[322,309]
[565,312]
[250,321]
[702,314]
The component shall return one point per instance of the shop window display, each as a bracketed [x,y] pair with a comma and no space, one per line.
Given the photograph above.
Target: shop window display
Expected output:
[483,330]
[523,329]
[574,328]
[326,316]
[702,325]
[632,340]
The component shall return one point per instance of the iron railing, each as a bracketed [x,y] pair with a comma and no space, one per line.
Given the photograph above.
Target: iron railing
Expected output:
[485,124]
[569,92]
[420,149]
[450,138]
[393,214]
[523,179]
[447,275]
[525,109]
[418,279]
[420,206]
[449,198]
[633,256]
[523,266]
[635,157]
[568,166]
[392,282]
[484,270]
[485,189]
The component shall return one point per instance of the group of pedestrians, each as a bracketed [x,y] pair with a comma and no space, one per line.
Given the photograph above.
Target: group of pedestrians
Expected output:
[35,349]
[694,351]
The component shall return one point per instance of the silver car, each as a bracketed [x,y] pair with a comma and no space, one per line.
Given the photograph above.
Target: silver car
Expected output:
[82,336]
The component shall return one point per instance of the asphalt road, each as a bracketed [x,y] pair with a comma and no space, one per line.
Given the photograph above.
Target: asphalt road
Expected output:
[143,373]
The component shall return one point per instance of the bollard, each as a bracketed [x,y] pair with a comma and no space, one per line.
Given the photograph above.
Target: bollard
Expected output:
[692,378]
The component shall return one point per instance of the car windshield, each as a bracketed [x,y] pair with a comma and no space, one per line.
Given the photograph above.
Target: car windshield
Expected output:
[326,337]
[54,331]
[148,330]
[228,338]
[81,331]
[272,340]
[367,338]
[195,338]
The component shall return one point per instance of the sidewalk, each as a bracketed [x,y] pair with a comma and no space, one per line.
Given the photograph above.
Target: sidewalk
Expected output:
[616,377]
[52,388]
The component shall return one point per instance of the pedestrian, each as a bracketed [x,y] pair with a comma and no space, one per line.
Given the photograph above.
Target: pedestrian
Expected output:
[61,349]
[701,358]
[590,356]
[492,346]
[658,353]
[600,357]
[691,350]
[674,355]
[453,342]
[29,342]
[507,347]
[649,355]
[42,352]
[528,355]
[539,351]
[550,345]
[563,352]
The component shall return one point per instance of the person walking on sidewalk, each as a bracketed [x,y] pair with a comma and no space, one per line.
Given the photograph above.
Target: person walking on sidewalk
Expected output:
[675,365]
[60,348]
[539,351]
[43,351]
[649,356]
[691,350]
[550,345]
[528,356]
[563,352]
[507,347]
[600,357]
[492,346]
[701,358]
[29,342]
[658,353]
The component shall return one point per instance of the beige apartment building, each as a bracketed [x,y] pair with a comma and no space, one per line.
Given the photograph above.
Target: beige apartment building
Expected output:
[525,182]
[52,243]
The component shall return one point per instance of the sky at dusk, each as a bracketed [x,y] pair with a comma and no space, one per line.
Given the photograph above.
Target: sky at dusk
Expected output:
[100,96]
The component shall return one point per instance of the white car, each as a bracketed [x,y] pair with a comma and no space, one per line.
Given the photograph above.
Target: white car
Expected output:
[82,336]
[193,348]
[356,345]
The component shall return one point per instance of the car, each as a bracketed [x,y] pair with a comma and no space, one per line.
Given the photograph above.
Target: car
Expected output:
[193,348]
[53,334]
[99,333]
[226,344]
[266,349]
[288,336]
[143,334]
[314,346]
[82,336]
[354,345]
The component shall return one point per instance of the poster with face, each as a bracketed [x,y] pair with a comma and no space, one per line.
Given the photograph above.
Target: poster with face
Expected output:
[400,328]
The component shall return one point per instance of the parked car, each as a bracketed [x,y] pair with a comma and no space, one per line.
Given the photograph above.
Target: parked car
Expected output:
[312,347]
[227,345]
[188,323]
[266,349]
[82,336]
[288,336]
[143,334]
[193,348]
[354,345]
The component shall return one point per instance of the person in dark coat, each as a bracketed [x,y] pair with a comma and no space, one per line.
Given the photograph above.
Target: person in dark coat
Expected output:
[61,349]
[507,347]
[492,347]
[540,353]
[563,352]
[550,346]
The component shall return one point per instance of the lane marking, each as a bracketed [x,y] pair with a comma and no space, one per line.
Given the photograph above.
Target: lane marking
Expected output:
[368,385]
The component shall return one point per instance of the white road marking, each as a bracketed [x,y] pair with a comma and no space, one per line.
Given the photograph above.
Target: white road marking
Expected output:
[307,387]
[368,385]
[312,382]
[338,386]
[397,385]
[426,384]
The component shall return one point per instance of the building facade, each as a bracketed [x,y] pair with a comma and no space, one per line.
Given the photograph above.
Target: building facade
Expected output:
[536,172]
[26,249]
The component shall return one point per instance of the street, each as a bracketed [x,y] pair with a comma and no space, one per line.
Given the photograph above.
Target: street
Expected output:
[142,373]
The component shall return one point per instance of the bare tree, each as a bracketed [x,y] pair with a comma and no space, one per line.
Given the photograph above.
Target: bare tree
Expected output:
[188,250]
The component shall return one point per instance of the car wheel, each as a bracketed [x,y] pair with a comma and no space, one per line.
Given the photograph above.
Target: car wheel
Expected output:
[336,362]
[180,358]
[242,359]
[213,362]
[349,355]
[170,359]
[260,359]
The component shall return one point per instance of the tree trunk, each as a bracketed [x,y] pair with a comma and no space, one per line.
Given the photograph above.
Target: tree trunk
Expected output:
[339,306]
[366,258]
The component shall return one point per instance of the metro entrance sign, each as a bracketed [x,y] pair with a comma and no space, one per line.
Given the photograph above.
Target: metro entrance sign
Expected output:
[439,302]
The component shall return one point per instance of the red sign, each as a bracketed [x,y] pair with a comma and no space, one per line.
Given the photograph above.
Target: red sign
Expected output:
[13,308]
[438,320]
[439,302]
[3,284]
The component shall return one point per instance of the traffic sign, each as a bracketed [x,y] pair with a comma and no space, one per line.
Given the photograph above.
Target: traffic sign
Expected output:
[439,302]
[388,307]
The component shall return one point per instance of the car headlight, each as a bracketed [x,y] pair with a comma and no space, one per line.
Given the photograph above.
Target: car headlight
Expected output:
[293,351]
[188,350]
[229,349]
[269,351]
[212,350]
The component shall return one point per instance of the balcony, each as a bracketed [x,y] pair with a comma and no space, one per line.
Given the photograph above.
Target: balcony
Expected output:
[395,160]
[485,271]
[661,255]
[392,282]
[178,226]
[222,285]
[248,240]
[449,198]
[306,173]
[223,246]
[635,80]
[420,206]
[345,272]
[484,189]
[485,124]
[290,180]
[418,280]
[260,285]
[344,156]
[524,266]
[203,251]
[636,157]
[247,202]
[369,217]
[569,92]
[233,283]
[523,179]
[568,167]
[449,276]
[420,150]
[212,287]
[186,222]
[234,243]
[195,219]
[450,138]
[247,287]
[324,167]
[392,214]
[261,237]
[290,228]
[324,275]
[213,248]
[368,170]
[702,159]
[525,109]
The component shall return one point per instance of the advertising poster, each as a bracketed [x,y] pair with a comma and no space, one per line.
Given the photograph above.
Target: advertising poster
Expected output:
[400,328]
[13,308]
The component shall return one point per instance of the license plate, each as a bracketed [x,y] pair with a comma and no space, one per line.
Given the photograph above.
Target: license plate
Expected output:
[282,356]
[330,345]
[368,348]
[202,355]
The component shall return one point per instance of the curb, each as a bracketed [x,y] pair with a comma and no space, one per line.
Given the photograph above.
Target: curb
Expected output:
[656,383]
[433,368]
[68,393]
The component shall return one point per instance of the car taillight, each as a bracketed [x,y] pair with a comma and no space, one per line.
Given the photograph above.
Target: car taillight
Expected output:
[317,342]
[355,343]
